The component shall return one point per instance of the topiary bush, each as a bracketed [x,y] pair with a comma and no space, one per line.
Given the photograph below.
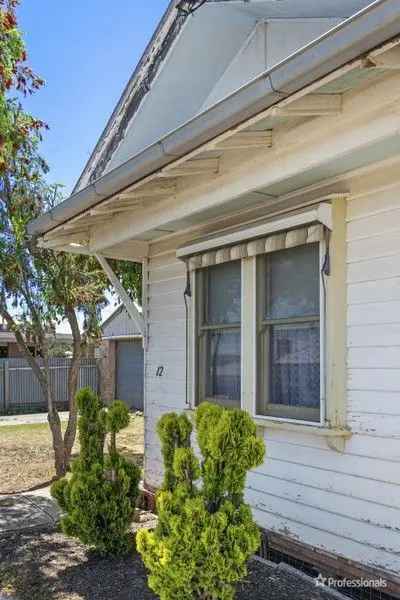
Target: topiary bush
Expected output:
[99,498]
[205,533]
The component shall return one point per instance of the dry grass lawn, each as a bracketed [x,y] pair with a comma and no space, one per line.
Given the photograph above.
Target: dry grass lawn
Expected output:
[26,455]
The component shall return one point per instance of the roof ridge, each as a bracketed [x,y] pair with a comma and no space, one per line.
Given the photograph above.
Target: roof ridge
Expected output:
[132,95]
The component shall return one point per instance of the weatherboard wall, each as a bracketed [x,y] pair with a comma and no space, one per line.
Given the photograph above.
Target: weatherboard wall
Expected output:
[346,503]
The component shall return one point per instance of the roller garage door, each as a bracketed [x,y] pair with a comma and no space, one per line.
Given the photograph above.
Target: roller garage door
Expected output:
[129,373]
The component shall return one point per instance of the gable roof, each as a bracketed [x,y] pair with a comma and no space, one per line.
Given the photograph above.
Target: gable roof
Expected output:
[364,31]
[119,324]
[131,96]
[138,86]
[223,26]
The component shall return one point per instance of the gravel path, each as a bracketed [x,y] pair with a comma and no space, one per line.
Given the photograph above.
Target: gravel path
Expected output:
[50,566]
[27,511]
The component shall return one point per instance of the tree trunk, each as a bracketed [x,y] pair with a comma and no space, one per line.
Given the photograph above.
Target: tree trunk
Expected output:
[58,443]
[112,449]
[73,377]
[113,443]
[53,419]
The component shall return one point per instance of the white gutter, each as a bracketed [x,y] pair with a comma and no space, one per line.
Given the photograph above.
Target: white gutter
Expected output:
[361,33]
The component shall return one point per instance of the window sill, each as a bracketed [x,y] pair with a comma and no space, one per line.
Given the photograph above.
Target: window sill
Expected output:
[335,437]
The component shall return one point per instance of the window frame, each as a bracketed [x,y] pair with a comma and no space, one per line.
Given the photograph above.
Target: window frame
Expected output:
[334,427]
[200,336]
[301,415]
[249,341]
[263,336]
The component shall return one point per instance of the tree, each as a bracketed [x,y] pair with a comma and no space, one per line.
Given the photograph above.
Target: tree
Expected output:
[15,125]
[205,532]
[99,499]
[40,287]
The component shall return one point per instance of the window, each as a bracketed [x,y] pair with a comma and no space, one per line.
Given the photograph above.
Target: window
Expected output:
[218,291]
[288,333]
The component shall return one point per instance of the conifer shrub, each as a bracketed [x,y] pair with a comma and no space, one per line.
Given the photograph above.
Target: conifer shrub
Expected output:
[205,533]
[99,498]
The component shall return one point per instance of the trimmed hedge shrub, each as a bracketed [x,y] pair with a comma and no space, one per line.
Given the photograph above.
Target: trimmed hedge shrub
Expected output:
[205,533]
[99,498]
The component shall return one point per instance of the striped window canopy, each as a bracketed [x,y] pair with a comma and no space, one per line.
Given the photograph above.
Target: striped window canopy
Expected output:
[295,229]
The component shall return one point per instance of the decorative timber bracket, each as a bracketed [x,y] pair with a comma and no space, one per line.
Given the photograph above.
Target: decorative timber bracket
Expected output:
[131,309]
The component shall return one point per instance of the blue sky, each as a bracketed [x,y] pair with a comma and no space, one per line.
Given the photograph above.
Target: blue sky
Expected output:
[86,51]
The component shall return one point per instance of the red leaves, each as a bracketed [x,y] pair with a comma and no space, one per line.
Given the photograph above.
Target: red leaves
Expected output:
[9,21]
[20,132]
[37,124]
[13,70]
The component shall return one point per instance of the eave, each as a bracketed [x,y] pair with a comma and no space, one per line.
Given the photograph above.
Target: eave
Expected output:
[245,120]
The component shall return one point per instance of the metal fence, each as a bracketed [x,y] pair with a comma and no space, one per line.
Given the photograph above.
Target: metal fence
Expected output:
[20,391]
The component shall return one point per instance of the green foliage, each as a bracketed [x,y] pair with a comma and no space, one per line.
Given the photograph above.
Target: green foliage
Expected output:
[130,275]
[206,533]
[100,497]
[16,126]
[174,432]
[223,433]
[92,429]
[117,416]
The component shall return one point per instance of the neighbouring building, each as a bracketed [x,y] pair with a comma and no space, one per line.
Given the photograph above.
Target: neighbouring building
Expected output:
[121,360]
[252,166]
[10,349]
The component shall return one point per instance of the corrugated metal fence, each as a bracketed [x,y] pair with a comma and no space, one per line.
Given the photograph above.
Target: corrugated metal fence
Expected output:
[20,391]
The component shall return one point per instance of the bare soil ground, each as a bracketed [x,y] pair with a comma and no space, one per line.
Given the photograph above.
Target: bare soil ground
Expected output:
[26,455]
[50,566]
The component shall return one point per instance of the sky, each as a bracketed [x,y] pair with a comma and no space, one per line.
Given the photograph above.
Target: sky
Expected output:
[86,50]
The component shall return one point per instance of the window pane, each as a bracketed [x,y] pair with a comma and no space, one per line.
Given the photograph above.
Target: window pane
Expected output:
[292,282]
[223,367]
[295,365]
[224,293]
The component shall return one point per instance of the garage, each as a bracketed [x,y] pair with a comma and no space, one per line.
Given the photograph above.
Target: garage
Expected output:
[122,361]
[129,372]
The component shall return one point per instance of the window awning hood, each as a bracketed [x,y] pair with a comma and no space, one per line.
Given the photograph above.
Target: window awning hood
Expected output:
[301,227]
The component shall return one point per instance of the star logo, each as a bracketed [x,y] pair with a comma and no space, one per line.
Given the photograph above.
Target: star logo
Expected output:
[320,581]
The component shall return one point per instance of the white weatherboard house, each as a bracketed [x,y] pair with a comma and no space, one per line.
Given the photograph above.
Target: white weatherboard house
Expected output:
[252,166]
